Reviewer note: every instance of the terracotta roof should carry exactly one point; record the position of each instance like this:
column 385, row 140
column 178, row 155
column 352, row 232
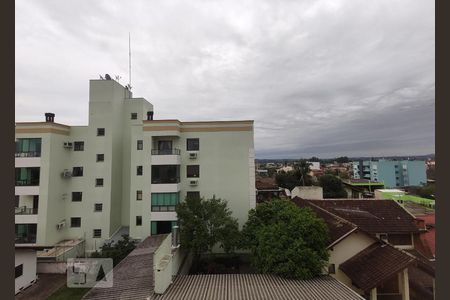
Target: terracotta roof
column 255, row 286
column 133, row 276
column 371, row 215
column 375, row 264
column 266, row 183
column 337, row 226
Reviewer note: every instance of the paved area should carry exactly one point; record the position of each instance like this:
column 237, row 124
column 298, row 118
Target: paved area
column 45, row 286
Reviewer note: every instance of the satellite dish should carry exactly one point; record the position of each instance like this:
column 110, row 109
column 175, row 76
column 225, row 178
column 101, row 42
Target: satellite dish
column 107, row 77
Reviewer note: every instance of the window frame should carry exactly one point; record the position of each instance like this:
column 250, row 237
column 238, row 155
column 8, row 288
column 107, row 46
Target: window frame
column 96, row 230
column 96, row 205
column 78, row 146
column 139, row 170
column 189, row 146
column 101, row 131
column 140, row 145
column 72, row 219
column 78, row 173
column 189, row 173
column 97, row 182
column 134, row 116
column 139, row 195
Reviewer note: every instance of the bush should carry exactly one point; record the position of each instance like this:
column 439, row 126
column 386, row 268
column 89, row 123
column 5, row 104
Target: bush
column 117, row 252
column 286, row 240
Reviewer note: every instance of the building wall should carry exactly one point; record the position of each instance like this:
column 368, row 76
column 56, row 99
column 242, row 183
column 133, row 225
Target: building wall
column 26, row 257
column 344, row 250
column 308, row 192
column 226, row 159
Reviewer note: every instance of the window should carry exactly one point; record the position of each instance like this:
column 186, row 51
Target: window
column 331, row 269
column 98, row 181
column 27, row 176
column 193, row 171
column 100, row 157
column 192, row 144
column 165, row 201
column 75, row 222
column 100, row 131
column 138, row 220
column 77, row 196
column 98, row 207
column 97, row 233
column 77, row 171
column 19, row 270
column 140, row 144
column 138, row 195
column 133, row 116
column 28, row 147
column 78, row 146
column 165, row 174
column 139, row 170
column 193, row 195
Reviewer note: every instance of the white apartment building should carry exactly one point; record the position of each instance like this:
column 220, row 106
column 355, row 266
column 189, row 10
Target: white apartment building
column 124, row 170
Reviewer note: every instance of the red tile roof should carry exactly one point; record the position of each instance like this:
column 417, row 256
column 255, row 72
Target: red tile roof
column 371, row 215
column 266, row 183
column 337, row 227
column 375, row 264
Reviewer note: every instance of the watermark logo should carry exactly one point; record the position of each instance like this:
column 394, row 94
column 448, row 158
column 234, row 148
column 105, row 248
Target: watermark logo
column 89, row 272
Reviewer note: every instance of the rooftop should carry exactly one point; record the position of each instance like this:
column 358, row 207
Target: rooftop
column 375, row 264
column 133, row 276
column 371, row 215
column 255, row 286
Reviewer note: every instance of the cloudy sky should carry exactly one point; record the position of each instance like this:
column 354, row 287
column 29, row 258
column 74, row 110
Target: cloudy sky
column 323, row 78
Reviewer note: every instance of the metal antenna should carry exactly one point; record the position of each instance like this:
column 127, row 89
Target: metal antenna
column 129, row 59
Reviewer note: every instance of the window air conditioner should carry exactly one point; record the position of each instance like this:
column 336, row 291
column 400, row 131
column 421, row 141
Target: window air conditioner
column 193, row 182
column 193, row 155
column 66, row 174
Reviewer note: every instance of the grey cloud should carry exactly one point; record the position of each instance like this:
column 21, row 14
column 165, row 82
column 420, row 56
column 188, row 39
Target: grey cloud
column 318, row 77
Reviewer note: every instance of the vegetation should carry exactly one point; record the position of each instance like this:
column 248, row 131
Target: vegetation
column 298, row 177
column 118, row 251
column 332, row 186
column 205, row 223
column 286, row 240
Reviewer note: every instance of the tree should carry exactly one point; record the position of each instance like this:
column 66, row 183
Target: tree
column 204, row 223
column 342, row 159
column 332, row 187
column 302, row 168
column 314, row 159
column 118, row 251
column 287, row 180
column 286, row 240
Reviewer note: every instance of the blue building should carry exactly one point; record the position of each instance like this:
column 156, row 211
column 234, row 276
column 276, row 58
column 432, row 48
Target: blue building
column 393, row 173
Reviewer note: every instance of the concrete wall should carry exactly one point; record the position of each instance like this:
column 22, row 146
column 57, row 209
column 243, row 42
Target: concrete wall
column 344, row 250
column 28, row 259
column 308, row 192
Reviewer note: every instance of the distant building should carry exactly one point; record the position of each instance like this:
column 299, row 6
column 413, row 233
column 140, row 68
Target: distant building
column 285, row 169
column 361, row 188
column 393, row 173
column 315, row 165
column 267, row 189
column 308, row 192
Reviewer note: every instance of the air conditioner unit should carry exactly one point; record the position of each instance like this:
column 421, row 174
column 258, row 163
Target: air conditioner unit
column 61, row 225
column 192, row 155
column 66, row 174
column 193, row 182
column 68, row 145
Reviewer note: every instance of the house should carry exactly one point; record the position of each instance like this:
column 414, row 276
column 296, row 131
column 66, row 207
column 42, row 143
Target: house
column 125, row 169
column 361, row 188
column 267, row 189
column 369, row 240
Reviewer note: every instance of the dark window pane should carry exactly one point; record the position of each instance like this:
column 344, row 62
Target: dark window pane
column 165, row 174
column 100, row 131
column 97, row 233
column 77, row 171
column 139, row 170
column 100, row 157
column 138, row 195
column 138, row 220
column 193, row 171
column 19, row 270
column 99, row 182
column 98, row 207
column 75, row 222
column 133, row 116
column 78, row 146
column 192, row 144
column 77, row 196
column 193, row 195
column 140, row 144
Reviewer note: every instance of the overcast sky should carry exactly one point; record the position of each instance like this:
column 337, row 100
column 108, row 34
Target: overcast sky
column 322, row 78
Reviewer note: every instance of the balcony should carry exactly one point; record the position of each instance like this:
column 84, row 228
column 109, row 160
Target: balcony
column 166, row 151
column 26, row 233
column 28, row 154
column 23, row 210
column 165, row 157
column 27, row 182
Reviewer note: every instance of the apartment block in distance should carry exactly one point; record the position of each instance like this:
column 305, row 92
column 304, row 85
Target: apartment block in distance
column 393, row 173
column 125, row 171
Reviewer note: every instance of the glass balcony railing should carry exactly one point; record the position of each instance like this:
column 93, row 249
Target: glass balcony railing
column 27, row 182
column 166, row 151
column 28, row 154
column 28, row 239
column 25, row 210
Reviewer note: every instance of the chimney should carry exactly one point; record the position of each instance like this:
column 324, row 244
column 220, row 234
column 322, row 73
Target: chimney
column 49, row 117
column 149, row 115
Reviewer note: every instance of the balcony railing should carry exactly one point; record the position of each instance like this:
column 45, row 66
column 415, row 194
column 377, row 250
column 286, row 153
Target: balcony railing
column 166, row 180
column 27, row 182
column 173, row 151
column 28, row 239
column 28, row 154
column 23, row 210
